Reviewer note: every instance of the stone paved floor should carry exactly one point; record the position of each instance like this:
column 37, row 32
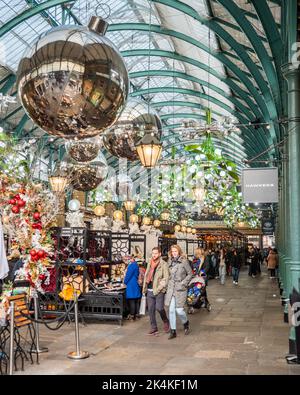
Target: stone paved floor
column 243, row 334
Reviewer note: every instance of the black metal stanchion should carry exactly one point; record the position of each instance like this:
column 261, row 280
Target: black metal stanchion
column 12, row 335
column 78, row 354
column 38, row 349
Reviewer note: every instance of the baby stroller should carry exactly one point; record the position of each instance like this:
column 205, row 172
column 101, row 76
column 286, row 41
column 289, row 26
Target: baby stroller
column 197, row 295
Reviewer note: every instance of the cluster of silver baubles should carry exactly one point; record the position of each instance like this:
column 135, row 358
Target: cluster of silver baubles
column 84, row 151
column 73, row 82
column 134, row 122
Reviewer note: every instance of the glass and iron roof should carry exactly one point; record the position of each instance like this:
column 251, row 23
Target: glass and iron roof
column 182, row 55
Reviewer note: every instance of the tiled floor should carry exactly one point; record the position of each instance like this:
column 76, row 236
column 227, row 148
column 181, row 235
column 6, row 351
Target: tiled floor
column 243, row 334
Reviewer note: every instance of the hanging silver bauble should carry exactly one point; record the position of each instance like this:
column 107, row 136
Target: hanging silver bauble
column 121, row 139
column 73, row 82
column 87, row 177
column 84, row 151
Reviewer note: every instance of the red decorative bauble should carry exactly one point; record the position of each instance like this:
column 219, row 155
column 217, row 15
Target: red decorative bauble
column 17, row 197
column 15, row 209
column 41, row 254
column 32, row 252
column 37, row 216
column 12, row 202
column 42, row 277
column 21, row 203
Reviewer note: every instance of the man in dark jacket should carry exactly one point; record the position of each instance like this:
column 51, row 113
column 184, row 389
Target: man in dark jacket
column 253, row 262
column 235, row 263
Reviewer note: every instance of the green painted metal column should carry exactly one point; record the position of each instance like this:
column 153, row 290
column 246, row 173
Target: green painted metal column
column 292, row 75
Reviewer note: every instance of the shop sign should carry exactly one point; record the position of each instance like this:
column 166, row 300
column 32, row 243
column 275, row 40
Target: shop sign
column 260, row 185
column 268, row 227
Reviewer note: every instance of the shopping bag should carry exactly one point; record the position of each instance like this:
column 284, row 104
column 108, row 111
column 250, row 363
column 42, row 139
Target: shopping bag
column 143, row 305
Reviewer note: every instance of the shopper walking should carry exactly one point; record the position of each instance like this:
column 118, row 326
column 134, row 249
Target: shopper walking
column 227, row 262
column 133, row 290
column 272, row 262
column 236, row 263
column 222, row 266
column 155, row 286
column 253, row 262
column 180, row 276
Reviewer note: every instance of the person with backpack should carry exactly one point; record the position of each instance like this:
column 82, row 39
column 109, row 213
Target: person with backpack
column 155, row 285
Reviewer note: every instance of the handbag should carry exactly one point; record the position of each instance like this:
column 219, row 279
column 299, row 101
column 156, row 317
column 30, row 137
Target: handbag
column 143, row 306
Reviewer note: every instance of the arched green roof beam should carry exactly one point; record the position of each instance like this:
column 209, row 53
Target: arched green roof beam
column 187, row 115
column 8, row 84
column 236, row 12
column 191, row 92
column 222, row 58
column 178, row 103
column 30, row 12
column 255, row 107
column 177, row 74
column 272, row 32
column 270, row 112
column 237, row 47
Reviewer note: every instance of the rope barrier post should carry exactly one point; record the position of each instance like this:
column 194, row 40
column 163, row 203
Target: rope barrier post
column 38, row 349
column 77, row 354
column 12, row 333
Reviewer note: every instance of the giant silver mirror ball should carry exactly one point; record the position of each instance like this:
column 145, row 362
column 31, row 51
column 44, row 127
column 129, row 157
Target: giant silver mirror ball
column 121, row 139
column 73, row 82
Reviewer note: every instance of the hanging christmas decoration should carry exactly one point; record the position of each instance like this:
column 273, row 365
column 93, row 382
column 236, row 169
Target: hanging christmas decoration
column 99, row 211
column 132, row 125
column 84, row 151
column 61, row 86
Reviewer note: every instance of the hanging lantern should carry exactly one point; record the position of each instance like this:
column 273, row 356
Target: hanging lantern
column 129, row 205
column 194, row 231
column 183, row 229
column 149, row 150
column 220, row 211
column 199, row 193
column 118, row 215
column 134, row 219
column 165, row 215
column 157, row 223
column 184, row 222
column 59, row 180
column 73, row 81
column 188, row 229
column 99, row 211
column 146, row 221
column 177, row 228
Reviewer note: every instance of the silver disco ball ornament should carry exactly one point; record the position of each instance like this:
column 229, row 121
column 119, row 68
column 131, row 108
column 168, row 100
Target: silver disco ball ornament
column 73, row 82
column 135, row 120
column 87, row 177
column 84, row 151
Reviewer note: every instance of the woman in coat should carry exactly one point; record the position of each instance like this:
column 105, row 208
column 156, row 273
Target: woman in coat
column 272, row 262
column 133, row 290
column 180, row 276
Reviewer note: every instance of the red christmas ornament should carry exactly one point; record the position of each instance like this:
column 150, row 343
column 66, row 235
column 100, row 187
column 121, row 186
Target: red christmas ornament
column 17, row 197
column 15, row 209
column 12, row 202
column 32, row 252
column 42, row 277
column 41, row 254
column 21, row 203
column 36, row 216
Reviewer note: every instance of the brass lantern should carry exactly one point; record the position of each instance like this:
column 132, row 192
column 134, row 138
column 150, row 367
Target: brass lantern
column 59, row 180
column 118, row 215
column 129, row 205
column 134, row 219
column 149, row 150
column 146, row 221
column 199, row 193
column 165, row 215
column 177, row 228
column 99, row 211
column 156, row 223
column 194, row 231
